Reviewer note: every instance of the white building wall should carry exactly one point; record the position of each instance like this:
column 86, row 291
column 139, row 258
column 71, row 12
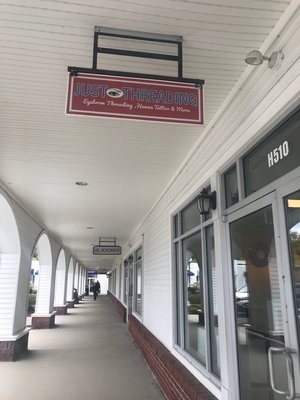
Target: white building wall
column 9, row 268
column 261, row 98
column 60, row 280
column 157, row 299
column 76, row 276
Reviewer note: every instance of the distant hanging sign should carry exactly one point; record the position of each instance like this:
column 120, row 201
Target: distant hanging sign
column 107, row 250
column 92, row 274
column 135, row 98
column 107, row 247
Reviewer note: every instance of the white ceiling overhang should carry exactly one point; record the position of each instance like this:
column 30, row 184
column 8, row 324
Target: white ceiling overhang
column 126, row 163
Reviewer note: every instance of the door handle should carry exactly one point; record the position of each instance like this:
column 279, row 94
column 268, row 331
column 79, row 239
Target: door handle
column 290, row 394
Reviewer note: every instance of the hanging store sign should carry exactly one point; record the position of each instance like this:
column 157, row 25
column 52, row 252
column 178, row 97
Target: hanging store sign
column 92, row 274
column 135, row 98
column 107, row 250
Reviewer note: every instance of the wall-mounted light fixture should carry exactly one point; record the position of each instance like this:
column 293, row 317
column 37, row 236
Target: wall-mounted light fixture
column 206, row 201
column 255, row 57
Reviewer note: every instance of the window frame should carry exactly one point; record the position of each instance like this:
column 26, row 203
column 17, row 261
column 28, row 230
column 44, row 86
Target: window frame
column 125, row 282
column 137, row 263
column 180, row 289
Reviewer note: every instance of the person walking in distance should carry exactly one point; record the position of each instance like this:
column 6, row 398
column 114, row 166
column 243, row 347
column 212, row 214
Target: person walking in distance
column 96, row 289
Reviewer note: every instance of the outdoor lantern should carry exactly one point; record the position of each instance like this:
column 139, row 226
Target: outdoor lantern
column 206, row 201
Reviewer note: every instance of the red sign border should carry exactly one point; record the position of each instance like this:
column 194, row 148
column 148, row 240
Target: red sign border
column 199, row 121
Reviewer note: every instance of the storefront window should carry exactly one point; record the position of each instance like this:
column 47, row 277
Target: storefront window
column 231, row 187
column 190, row 217
column 138, row 281
column 125, row 282
column 195, row 278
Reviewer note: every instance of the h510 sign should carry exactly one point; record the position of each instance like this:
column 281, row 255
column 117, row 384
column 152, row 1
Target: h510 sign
column 135, row 98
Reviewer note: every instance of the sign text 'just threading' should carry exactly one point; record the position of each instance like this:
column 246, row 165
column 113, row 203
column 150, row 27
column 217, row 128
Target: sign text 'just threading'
column 134, row 98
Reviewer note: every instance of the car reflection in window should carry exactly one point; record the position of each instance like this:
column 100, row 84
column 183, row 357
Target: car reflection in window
column 242, row 302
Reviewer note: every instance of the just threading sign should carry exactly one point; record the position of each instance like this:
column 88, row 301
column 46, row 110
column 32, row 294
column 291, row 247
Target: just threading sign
column 107, row 250
column 135, row 98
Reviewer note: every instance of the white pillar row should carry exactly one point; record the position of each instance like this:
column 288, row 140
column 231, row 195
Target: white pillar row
column 82, row 284
column 80, row 281
column 84, row 280
column 60, row 305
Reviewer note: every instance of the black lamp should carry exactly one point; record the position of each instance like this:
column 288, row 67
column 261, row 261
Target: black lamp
column 206, row 201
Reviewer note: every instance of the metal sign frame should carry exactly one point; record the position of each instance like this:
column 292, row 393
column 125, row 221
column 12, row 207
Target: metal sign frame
column 143, row 36
column 107, row 247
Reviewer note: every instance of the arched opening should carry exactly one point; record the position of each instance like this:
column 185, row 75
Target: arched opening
column 33, row 285
column 70, row 283
column 60, row 284
column 44, row 316
column 76, row 283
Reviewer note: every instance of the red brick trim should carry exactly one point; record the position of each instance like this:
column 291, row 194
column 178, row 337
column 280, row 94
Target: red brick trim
column 121, row 309
column 43, row 322
column 176, row 381
column 10, row 350
column 61, row 310
column 70, row 304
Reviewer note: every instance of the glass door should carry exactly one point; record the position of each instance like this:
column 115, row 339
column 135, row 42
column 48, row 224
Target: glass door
column 292, row 212
column 265, row 357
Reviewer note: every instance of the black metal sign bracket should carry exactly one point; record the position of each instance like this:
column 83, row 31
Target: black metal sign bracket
column 142, row 36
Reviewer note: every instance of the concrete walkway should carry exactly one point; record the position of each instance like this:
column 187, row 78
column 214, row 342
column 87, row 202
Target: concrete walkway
column 89, row 355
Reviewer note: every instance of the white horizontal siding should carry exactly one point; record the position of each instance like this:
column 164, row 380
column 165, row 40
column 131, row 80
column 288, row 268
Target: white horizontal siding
column 9, row 267
column 240, row 123
column 43, row 306
column 70, row 280
column 59, row 287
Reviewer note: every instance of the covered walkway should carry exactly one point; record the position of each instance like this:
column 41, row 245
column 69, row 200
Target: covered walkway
column 88, row 355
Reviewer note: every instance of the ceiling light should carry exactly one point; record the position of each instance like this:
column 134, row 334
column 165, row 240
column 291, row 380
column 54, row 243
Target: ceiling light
column 255, row 57
column 81, row 183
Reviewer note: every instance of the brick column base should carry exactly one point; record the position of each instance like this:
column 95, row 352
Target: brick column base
column 43, row 321
column 11, row 349
column 70, row 304
column 61, row 310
